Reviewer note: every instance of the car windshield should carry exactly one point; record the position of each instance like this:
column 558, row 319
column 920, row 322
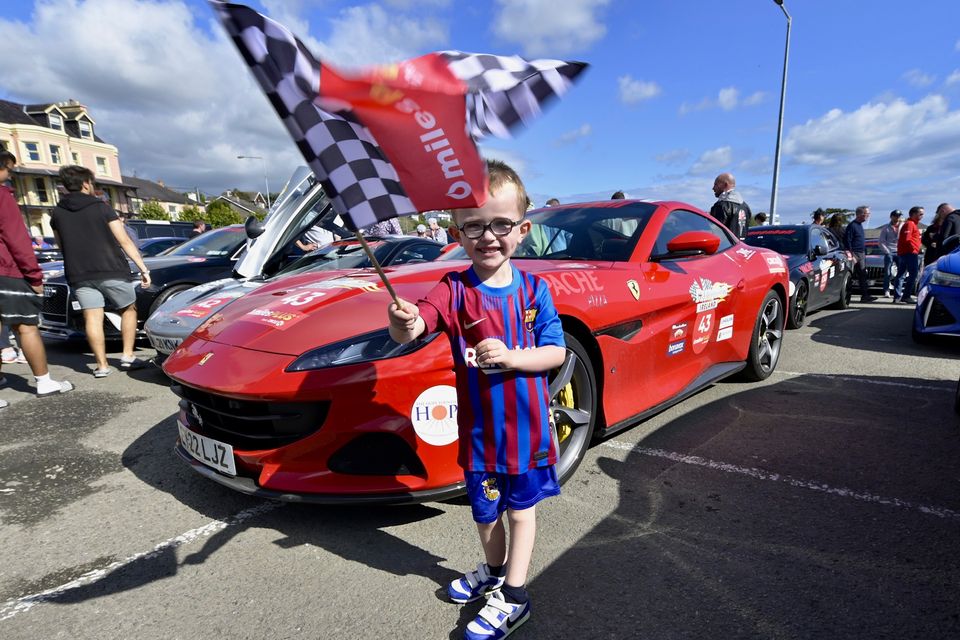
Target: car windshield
column 581, row 232
column 219, row 242
column 336, row 256
column 788, row 241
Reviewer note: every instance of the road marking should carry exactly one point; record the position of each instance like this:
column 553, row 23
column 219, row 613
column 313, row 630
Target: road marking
column 940, row 512
column 944, row 385
column 24, row 603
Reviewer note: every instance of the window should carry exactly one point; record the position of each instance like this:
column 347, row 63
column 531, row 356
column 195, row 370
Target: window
column 55, row 157
column 3, row 145
column 56, row 122
column 101, row 166
column 171, row 208
column 680, row 221
column 819, row 239
column 86, row 131
column 418, row 253
column 75, row 157
column 33, row 151
column 41, row 186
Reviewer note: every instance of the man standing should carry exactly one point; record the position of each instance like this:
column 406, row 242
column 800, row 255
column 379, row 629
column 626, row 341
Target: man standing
column 436, row 231
column 950, row 226
column 908, row 257
column 199, row 226
column 730, row 208
column 390, row 226
column 855, row 240
column 760, row 219
column 21, row 286
column 889, row 235
column 93, row 243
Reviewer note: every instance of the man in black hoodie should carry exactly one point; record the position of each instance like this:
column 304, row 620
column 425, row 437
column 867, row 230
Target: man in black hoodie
column 93, row 241
column 730, row 208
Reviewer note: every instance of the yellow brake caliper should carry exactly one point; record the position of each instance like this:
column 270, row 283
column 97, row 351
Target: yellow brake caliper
column 564, row 398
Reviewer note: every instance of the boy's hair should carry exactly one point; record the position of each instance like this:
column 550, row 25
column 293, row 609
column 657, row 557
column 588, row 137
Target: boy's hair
column 73, row 176
column 500, row 174
column 6, row 158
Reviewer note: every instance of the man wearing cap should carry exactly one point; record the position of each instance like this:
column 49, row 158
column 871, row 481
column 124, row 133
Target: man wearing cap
column 889, row 235
column 421, row 231
column 436, row 231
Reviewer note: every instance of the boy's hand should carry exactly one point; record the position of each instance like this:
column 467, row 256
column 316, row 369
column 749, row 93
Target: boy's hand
column 493, row 352
column 403, row 317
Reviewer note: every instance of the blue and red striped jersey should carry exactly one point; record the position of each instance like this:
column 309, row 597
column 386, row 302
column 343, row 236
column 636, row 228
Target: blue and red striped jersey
column 503, row 415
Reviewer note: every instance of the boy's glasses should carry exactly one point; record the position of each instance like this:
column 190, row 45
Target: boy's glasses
column 499, row 227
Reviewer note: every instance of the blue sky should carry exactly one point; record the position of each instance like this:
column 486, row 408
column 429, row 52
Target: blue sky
column 677, row 91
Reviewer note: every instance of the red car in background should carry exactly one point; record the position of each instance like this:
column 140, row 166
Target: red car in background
column 296, row 391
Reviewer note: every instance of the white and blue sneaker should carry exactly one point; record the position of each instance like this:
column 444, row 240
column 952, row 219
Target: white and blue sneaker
column 497, row 619
column 474, row 585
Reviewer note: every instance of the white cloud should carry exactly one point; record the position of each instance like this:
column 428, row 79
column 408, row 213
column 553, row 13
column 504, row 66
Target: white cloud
column 713, row 160
column 634, row 91
column 674, row 156
column 918, row 78
column 727, row 99
column 550, row 28
column 953, row 78
column 178, row 102
column 582, row 131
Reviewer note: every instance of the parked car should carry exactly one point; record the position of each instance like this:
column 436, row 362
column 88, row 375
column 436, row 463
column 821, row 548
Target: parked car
column 150, row 247
column 210, row 256
column 820, row 270
column 295, row 391
column 181, row 314
column 160, row 228
column 50, row 253
column 938, row 296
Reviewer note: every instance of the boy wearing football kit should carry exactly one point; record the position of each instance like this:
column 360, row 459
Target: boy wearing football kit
column 505, row 335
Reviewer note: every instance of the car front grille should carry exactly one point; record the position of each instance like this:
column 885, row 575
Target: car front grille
column 56, row 301
column 939, row 315
column 250, row 425
column 875, row 273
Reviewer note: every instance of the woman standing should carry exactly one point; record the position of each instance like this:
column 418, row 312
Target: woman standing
column 929, row 237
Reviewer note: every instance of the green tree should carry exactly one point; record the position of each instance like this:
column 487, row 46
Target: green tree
column 191, row 213
column 152, row 210
column 221, row 214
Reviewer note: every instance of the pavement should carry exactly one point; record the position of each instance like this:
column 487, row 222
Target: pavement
column 821, row 503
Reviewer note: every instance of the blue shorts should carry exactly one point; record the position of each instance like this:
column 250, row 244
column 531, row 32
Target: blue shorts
column 491, row 493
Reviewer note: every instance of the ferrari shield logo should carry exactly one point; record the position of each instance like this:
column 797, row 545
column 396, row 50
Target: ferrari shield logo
column 528, row 318
column 634, row 289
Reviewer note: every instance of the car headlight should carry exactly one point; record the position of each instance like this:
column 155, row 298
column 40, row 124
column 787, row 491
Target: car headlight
column 945, row 279
column 377, row 345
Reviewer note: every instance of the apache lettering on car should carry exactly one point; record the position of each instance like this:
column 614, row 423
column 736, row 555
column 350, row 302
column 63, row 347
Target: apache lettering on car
column 573, row 282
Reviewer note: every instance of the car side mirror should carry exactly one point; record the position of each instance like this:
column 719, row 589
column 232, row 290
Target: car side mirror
column 818, row 250
column 253, row 227
column 693, row 243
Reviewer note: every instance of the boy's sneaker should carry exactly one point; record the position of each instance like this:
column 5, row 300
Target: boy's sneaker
column 497, row 619
column 474, row 585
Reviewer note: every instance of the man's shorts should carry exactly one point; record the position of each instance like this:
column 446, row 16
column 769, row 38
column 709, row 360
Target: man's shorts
column 19, row 303
column 491, row 494
column 93, row 294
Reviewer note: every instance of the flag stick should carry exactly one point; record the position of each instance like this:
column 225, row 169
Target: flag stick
column 376, row 265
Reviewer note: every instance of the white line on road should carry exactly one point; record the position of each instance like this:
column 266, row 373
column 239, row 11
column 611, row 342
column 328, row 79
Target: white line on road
column 944, row 385
column 940, row 512
column 25, row 603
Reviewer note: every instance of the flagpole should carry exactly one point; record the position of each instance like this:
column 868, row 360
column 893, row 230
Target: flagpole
column 376, row 265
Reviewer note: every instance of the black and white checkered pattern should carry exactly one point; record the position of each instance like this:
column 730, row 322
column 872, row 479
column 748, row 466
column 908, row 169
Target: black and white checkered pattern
column 504, row 91
column 360, row 181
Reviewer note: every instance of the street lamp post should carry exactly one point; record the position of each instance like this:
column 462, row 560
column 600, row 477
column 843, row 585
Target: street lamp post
column 265, row 182
column 783, row 96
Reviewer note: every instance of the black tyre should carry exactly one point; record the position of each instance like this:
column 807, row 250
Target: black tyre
column 956, row 398
column 921, row 338
column 573, row 405
column 167, row 294
column 798, row 306
column 766, row 340
column 846, row 293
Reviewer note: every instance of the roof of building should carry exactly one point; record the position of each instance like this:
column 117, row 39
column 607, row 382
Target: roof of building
column 16, row 113
column 148, row 190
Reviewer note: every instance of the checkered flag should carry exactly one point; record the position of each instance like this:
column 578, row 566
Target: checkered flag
column 396, row 139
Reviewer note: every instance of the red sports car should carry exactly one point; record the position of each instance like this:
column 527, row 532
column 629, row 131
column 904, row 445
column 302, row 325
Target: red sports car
column 296, row 391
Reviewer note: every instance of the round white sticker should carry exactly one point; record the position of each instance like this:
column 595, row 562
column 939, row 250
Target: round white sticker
column 434, row 415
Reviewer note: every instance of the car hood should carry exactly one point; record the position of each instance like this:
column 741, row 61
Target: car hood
column 949, row 263
column 187, row 309
column 304, row 311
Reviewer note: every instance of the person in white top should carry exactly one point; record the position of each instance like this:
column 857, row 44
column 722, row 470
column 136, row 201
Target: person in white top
column 888, row 246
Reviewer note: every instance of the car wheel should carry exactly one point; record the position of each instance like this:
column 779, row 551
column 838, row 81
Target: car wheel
column 167, row 294
column 766, row 340
column 573, row 407
column 798, row 306
column 846, row 294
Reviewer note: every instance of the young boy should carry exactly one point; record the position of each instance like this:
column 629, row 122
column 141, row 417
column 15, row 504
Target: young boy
column 505, row 334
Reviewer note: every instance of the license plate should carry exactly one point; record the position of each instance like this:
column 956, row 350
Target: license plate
column 165, row 346
column 213, row 453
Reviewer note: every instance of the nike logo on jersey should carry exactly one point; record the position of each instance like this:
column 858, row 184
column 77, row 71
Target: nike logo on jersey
column 471, row 325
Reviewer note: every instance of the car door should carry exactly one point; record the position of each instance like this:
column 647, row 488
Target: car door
column 694, row 300
column 825, row 284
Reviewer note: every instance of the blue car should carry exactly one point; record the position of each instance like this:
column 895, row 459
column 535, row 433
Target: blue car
column 938, row 296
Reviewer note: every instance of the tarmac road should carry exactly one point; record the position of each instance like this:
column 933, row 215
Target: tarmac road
column 822, row 503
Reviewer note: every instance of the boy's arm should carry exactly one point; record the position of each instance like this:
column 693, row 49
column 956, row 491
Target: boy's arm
column 406, row 325
column 492, row 351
